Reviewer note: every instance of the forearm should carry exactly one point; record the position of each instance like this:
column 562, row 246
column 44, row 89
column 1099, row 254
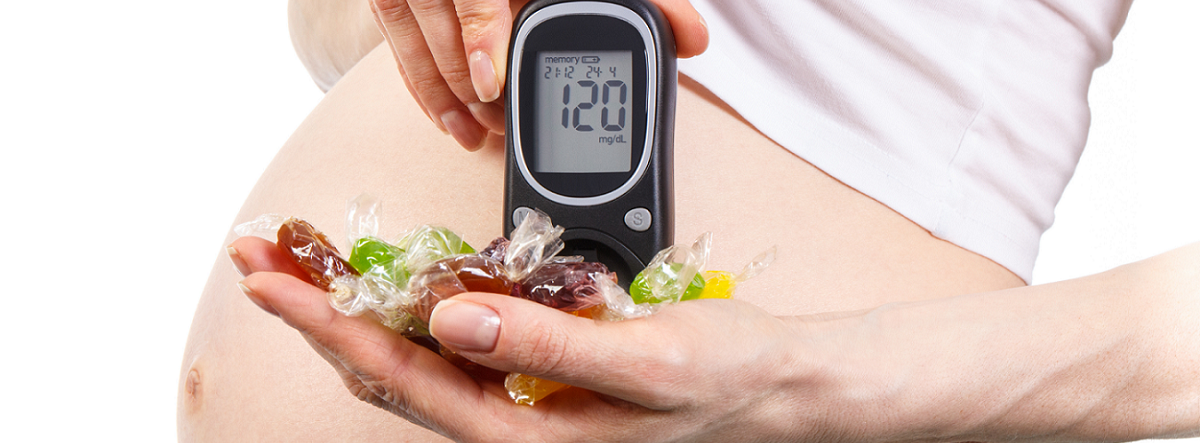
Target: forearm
column 1114, row 356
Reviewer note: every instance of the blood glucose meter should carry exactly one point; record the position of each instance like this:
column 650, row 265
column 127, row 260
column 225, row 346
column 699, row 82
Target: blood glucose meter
column 590, row 127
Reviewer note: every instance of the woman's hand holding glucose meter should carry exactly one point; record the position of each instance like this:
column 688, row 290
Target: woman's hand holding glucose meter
column 453, row 56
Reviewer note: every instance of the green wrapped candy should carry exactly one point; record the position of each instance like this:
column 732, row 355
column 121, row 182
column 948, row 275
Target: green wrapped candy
column 428, row 244
column 640, row 290
column 370, row 252
column 372, row 255
column 397, row 262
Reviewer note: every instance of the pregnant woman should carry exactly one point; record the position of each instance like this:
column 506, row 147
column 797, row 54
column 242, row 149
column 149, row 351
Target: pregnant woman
column 905, row 157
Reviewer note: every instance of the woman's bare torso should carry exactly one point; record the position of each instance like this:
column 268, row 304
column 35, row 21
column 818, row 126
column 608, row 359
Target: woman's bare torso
column 246, row 376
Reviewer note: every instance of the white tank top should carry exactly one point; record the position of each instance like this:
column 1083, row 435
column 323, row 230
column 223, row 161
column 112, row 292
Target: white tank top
column 967, row 117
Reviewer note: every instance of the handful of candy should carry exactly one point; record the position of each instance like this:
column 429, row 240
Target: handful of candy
column 400, row 282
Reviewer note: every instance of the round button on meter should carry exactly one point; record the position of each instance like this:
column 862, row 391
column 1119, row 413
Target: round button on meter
column 590, row 126
column 638, row 219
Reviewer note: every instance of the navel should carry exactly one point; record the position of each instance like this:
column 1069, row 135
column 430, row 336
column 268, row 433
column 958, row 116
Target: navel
column 193, row 390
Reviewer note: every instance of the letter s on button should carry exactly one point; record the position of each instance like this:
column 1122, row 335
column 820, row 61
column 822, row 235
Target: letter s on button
column 638, row 219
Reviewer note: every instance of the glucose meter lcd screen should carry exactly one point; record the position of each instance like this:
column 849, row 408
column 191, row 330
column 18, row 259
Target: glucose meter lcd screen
column 584, row 111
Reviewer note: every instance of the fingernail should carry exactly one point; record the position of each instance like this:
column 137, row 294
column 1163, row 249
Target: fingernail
column 488, row 114
column 465, row 326
column 239, row 264
column 257, row 300
column 464, row 129
column 483, row 75
column 437, row 123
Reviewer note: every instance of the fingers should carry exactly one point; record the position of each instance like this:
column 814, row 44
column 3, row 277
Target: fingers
column 628, row 360
column 401, row 376
column 452, row 55
column 691, row 32
column 486, row 28
column 431, row 47
column 408, row 43
column 438, row 23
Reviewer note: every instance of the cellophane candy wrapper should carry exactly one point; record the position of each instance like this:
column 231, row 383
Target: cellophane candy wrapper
column 399, row 282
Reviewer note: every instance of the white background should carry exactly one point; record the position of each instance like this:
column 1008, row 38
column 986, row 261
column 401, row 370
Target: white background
column 131, row 131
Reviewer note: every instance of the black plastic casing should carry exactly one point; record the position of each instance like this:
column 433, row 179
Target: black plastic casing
column 599, row 232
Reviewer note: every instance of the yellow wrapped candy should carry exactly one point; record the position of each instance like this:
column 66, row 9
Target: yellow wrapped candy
column 718, row 284
column 527, row 389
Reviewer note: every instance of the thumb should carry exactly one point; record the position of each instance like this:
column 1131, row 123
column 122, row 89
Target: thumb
column 691, row 32
column 486, row 25
column 516, row 335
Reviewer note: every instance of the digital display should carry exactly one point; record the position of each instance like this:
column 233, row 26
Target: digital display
column 584, row 111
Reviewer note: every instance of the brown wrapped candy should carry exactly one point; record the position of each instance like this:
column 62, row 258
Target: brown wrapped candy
column 313, row 251
column 564, row 286
column 455, row 275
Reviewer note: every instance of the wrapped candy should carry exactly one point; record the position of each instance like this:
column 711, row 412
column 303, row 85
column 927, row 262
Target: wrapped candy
column 566, row 286
column 313, row 252
column 452, row 276
column 401, row 282
column 305, row 245
column 720, row 284
column 674, row 274
column 527, row 389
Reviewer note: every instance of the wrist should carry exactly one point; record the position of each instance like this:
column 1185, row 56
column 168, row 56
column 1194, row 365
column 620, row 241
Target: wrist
column 899, row 372
column 840, row 384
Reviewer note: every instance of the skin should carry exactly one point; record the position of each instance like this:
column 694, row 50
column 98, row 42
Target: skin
column 1094, row 359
